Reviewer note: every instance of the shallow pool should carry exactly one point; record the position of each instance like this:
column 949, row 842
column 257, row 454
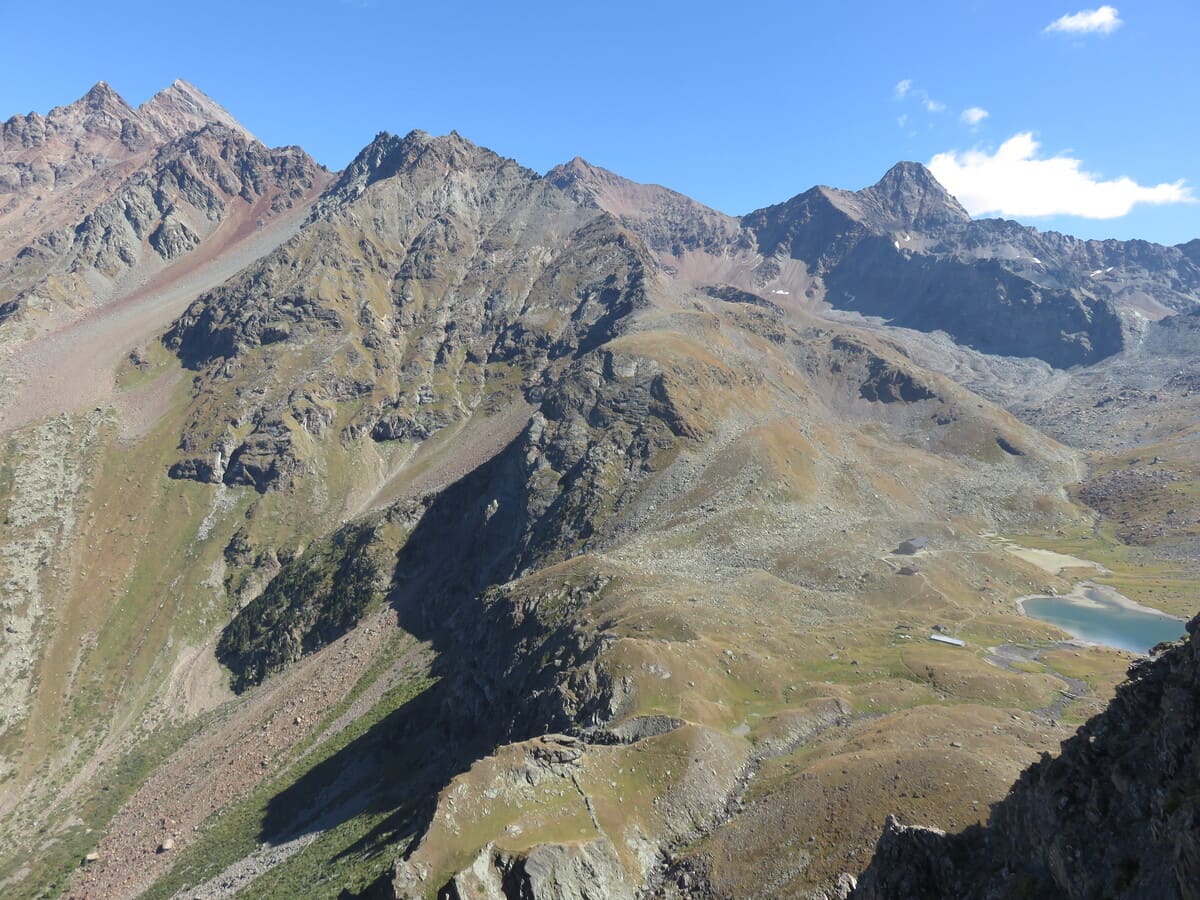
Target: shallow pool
column 1103, row 616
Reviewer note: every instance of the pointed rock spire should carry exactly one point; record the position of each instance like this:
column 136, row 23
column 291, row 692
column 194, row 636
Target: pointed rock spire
column 909, row 196
column 101, row 94
column 183, row 108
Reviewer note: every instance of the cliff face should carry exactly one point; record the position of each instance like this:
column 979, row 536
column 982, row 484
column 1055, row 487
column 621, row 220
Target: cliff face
column 1117, row 814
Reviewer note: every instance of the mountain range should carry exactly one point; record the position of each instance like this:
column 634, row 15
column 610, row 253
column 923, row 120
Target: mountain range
column 440, row 528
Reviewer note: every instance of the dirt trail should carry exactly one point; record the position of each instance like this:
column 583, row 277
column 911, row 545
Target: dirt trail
column 72, row 367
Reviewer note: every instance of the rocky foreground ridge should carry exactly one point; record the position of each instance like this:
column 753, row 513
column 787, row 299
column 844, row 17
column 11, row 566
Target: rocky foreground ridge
column 1116, row 814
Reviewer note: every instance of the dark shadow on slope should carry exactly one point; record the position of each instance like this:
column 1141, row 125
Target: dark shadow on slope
column 979, row 304
column 618, row 305
column 474, row 535
column 395, row 769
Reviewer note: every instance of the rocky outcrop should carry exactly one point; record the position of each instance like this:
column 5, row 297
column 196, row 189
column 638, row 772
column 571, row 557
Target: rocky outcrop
column 578, row 871
column 1116, row 814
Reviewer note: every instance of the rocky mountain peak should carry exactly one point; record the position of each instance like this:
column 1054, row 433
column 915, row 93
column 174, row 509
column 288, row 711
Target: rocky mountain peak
column 101, row 96
column 908, row 195
column 450, row 149
column 182, row 108
column 103, row 115
column 908, row 173
column 577, row 164
column 580, row 169
column 101, row 112
column 666, row 220
column 582, row 181
column 388, row 156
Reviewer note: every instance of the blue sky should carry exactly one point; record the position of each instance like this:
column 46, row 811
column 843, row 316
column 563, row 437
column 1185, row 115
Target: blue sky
column 737, row 104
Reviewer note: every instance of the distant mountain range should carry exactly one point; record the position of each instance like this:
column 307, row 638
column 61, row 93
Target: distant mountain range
column 906, row 251
column 89, row 181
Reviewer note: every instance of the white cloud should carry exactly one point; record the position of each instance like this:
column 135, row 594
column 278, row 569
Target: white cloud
column 973, row 115
column 902, row 88
column 1104, row 20
column 931, row 105
column 1014, row 181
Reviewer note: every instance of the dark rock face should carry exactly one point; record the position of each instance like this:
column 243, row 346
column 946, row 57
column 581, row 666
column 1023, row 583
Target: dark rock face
column 311, row 601
column 879, row 380
column 980, row 304
column 890, row 385
column 1117, row 814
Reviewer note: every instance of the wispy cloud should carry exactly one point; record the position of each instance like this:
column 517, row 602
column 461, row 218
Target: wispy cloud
column 973, row 115
column 1015, row 181
column 1104, row 20
column 905, row 88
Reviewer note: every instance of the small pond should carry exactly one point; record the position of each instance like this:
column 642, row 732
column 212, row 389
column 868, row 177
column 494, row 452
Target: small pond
column 1103, row 616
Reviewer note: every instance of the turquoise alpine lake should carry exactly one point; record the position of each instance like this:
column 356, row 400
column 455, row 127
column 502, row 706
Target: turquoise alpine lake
column 1103, row 616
